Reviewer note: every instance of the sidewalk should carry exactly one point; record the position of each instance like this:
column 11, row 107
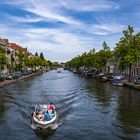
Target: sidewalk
column 7, row 82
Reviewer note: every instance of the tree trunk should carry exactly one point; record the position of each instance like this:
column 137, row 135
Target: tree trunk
column 130, row 72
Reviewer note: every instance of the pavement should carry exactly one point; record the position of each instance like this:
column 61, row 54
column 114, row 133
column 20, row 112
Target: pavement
column 7, row 82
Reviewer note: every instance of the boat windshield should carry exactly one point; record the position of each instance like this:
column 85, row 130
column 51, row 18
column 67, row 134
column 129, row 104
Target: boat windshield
column 40, row 108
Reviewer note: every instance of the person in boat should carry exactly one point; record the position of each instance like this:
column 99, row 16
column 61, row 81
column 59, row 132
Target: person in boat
column 51, row 107
column 47, row 116
column 41, row 116
column 51, row 110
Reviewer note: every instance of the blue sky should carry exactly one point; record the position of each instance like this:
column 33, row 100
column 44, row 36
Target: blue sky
column 62, row 29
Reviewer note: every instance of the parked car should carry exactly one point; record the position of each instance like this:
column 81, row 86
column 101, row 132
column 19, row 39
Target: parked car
column 24, row 73
column 10, row 76
column 137, row 80
column 29, row 71
column 18, row 74
column 1, row 78
column 114, row 75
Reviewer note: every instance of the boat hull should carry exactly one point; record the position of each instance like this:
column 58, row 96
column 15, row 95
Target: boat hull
column 117, row 82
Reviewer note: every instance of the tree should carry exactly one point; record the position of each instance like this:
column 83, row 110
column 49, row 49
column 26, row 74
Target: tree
column 2, row 57
column 92, row 58
column 21, row 57
column 36, row 54
column 127, row 51
column 42, row 56
column 101, row 57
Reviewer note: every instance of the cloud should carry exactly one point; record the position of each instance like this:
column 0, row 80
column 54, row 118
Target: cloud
column 55, row 11
column 106, row 29
column 64, row 44
column 46, row 10
column 27, row 19
column 73, row 37
column 89, row 5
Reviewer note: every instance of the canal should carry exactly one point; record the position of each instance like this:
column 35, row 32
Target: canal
column 87, row 109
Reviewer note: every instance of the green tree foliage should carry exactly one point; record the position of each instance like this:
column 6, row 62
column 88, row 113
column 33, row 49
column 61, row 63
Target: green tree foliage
column 36, row 54
column 21, row 56
column 29, row 62
column 34, row 62
column 50, row 63
column 103, row 56
column 92, row 58
column 42, row 56
column 2, row 57
column 127, row 51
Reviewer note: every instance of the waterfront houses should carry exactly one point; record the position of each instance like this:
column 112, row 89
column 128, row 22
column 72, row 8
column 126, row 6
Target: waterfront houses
column 14, row 57
column 111, row 66
column 135, row 70
column 15, row 50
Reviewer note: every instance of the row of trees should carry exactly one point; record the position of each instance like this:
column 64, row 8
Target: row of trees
column 126, row 53
column 31, row 62
column 92, row 58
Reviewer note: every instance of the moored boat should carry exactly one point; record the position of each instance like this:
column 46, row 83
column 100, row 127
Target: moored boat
column 118, row 81
column 104, row 78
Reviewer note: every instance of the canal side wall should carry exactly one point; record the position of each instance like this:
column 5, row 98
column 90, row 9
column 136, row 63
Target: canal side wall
column 132, row 85
column 7, row 82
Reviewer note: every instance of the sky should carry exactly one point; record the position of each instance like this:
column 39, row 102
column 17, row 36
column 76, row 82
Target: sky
column 63, row 29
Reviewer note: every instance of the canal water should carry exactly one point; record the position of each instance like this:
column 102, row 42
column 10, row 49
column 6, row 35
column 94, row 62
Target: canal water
column 87, row 109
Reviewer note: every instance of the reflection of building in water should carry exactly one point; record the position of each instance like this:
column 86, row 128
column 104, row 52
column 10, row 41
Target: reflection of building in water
column 129, row 111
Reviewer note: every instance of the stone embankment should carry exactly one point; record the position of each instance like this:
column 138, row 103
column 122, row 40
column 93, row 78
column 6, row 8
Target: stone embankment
column 7, row 82
column 132, row 85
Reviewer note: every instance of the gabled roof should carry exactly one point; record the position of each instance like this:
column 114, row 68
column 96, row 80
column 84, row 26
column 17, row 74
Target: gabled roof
column 4, row 41
column 17, row 47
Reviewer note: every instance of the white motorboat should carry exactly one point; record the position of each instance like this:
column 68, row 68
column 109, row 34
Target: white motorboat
column 43, row 123
column 118, row 81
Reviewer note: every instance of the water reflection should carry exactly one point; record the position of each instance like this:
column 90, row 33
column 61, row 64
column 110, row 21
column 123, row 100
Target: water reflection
column 2, row 108
column 129, row 112
column 86, row 108
column 121, row 104
column 100, row 91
